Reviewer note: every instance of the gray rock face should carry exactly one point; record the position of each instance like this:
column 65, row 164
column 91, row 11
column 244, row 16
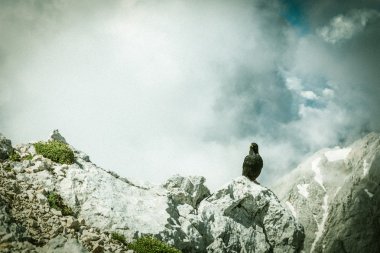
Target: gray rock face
column 353, row 223
column 241, row 217
column 61, row 244
column 13, row 236
column 246, row 217
column 5, row 147
column 29, row 224
column 335, row 195
column 57, row 136
column 187, row 190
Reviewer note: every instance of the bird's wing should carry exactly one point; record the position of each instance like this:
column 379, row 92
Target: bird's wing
column 253, row 161
column 248, row 160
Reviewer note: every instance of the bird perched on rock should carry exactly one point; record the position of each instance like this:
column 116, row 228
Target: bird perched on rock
column 253, row 163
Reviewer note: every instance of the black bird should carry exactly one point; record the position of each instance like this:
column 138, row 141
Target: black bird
column 253, row 163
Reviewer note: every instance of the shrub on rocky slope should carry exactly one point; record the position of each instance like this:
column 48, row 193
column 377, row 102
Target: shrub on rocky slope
column 56, row 151
column 148, row 244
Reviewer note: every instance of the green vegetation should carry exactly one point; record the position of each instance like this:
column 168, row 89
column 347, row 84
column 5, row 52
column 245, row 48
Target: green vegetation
column 28, row 157
column 119, row 237
column 148, row 244
column 56, row 151
column 56, row 202
column 7, row 167
column 14, row 156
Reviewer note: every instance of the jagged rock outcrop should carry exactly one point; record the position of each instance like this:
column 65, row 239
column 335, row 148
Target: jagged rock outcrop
column 5, row 147
column 246, row 217
column 240, row 217
column 335, row 194
column 57, row 136
column 187, row 190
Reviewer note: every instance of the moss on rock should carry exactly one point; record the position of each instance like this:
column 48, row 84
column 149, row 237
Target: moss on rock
column 56, row 202
column 149, row 244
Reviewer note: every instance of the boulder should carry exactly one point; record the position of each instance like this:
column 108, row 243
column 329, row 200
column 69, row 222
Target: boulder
column 246, row 217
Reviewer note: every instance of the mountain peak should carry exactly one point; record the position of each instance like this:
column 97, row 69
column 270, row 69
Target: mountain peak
column 335, row 195
column 57, row 136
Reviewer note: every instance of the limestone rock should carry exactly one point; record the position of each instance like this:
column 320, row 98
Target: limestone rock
column 12, row 235
column 182, row 212
column 5, row 147
column 61, row 244
column 98, row 249
column 89, row 236
column 56, row 212
column 57, row 136
column 72, row 223
column 246, row 217
column 189, row 190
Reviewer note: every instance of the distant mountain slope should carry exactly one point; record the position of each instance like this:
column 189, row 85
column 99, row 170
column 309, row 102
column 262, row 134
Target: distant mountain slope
column 335, row 194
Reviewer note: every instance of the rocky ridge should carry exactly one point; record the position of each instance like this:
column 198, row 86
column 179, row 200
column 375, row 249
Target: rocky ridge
column 240, row 217
column 29, row 224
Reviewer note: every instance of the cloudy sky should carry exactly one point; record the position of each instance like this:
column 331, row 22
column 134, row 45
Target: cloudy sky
column 154, row 88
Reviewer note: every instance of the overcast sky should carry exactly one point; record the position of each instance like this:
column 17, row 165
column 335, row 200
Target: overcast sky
column 154, row 88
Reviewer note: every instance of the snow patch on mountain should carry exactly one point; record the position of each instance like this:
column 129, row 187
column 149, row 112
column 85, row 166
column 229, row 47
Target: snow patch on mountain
column 302, row 189
column 337, row 190
column 317, row 170
column 365, row 168
column 291, row 208
column 369, row 193
column 321, row 225
column 337, row 154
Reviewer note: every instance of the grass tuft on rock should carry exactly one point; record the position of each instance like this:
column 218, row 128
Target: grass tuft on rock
column 149, row 244
column 119, row 237
column 7, row 167
column 14, row 156
column 56, row 202
column 27, row 157
column 56, row 151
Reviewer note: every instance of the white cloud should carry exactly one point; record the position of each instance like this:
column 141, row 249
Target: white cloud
column 343, row 27
column 293, row 83
column 329, row 93
column 308, row 94
column 154, row 88
column 136, row 86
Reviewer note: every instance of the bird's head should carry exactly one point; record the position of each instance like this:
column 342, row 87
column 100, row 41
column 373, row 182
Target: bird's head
column 254, row 148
